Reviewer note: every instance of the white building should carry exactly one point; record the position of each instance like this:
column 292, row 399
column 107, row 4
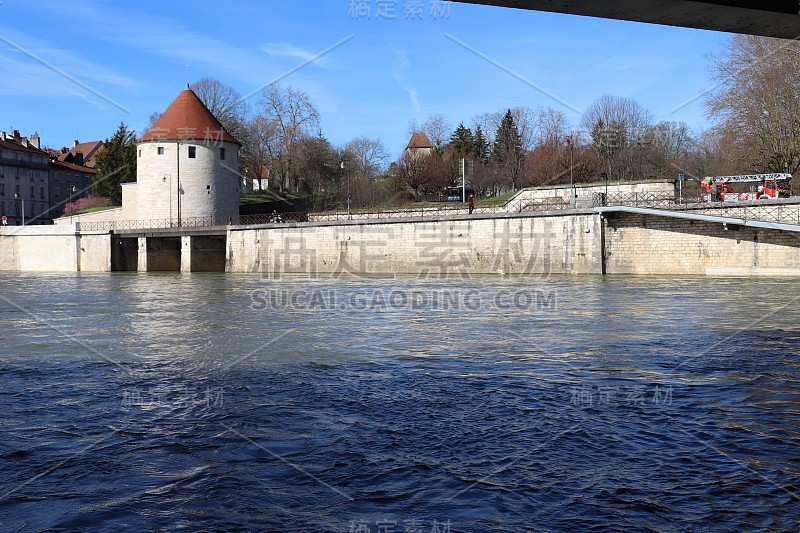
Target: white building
column 186, row 167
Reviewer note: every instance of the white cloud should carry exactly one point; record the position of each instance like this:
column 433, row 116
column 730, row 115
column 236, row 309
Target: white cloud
column 32, row 66
column 400, row 65
column 295, row 52
column 170, row 38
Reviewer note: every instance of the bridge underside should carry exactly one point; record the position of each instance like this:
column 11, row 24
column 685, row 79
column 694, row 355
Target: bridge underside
column 770, row 18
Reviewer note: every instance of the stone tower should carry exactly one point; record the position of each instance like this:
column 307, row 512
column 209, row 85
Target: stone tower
column 419, row 145
column 187, row 166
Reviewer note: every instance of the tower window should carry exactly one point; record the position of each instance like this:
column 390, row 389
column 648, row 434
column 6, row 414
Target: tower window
column 192, row 152
column 160, row 150
column 222, row 154
column 140, row 152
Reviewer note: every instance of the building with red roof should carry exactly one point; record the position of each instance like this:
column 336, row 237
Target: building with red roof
column 187, row 167
column 419, row 145
column 83, row 154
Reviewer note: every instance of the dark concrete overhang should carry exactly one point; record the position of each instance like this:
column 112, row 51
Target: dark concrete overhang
column 770, row 18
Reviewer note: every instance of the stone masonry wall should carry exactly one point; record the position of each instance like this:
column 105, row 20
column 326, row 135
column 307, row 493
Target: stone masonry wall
column 209, row 186
column 466, row 245
column 637, row 244
column 94, row 252
column 505, row 245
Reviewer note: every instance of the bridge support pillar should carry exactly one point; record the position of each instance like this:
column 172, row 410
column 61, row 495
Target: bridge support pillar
column 186, row 253
column 142, row 255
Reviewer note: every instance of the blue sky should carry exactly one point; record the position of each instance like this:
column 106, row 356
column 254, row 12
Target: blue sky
column 79, row 68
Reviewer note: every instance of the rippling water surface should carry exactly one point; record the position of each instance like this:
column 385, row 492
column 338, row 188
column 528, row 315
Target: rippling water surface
column 221, row 402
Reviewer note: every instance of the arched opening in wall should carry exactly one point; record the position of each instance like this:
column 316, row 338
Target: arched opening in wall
column 124, row 254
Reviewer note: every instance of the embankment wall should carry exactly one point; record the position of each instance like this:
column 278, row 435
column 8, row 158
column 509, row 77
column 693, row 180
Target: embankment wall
column 638, row 244
column 53, row 249
column 460, row 245
column 581, row 242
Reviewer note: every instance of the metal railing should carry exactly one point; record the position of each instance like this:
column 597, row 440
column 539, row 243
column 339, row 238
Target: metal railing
column 764, row 210
column 635, row 199
column 547, row 204
column 193, row 222
column 782, row 211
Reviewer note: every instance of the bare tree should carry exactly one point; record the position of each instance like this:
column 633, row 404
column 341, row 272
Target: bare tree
column 438, row 130
column 526, row 120
column 757, row 106
column 550, row 127
column 625, row 112
column 225, row 103
column 488, row 179
column 412, row 171
column 488, row 122
column 368, row 156
column 318, row 166
column 294, row 117
column 261, row 144
column 413, row 127
column 615, row 124
column 151, row 121
column 665, row 149
column 443, row 170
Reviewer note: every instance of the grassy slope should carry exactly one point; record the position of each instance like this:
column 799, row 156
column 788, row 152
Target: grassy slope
column 94, row 209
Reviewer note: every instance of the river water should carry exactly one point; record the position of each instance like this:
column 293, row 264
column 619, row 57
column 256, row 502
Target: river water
column 224, row 402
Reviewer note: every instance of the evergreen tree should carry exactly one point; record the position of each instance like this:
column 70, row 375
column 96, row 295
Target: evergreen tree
column 116, row 165
column 480, row 146
column 462, row 140
column 508, row 151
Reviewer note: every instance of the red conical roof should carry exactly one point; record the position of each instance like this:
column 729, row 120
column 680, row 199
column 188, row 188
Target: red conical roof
column 419, row 140
column 187, row 118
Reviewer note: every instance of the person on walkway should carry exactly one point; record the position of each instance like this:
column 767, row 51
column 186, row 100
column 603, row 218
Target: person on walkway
column 471, row 203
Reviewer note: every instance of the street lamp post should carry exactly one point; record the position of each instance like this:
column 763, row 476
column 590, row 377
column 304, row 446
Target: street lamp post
column 21, row 199
column 571, row 166
column 349, row 197
column 178, row 162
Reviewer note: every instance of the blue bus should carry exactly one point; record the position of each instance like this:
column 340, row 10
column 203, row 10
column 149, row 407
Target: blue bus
column 455, row 194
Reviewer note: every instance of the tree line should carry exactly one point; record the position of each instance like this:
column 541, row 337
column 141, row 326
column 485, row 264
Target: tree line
column 753, row 112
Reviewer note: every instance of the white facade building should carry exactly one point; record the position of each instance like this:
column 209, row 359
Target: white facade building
column 187, row 167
